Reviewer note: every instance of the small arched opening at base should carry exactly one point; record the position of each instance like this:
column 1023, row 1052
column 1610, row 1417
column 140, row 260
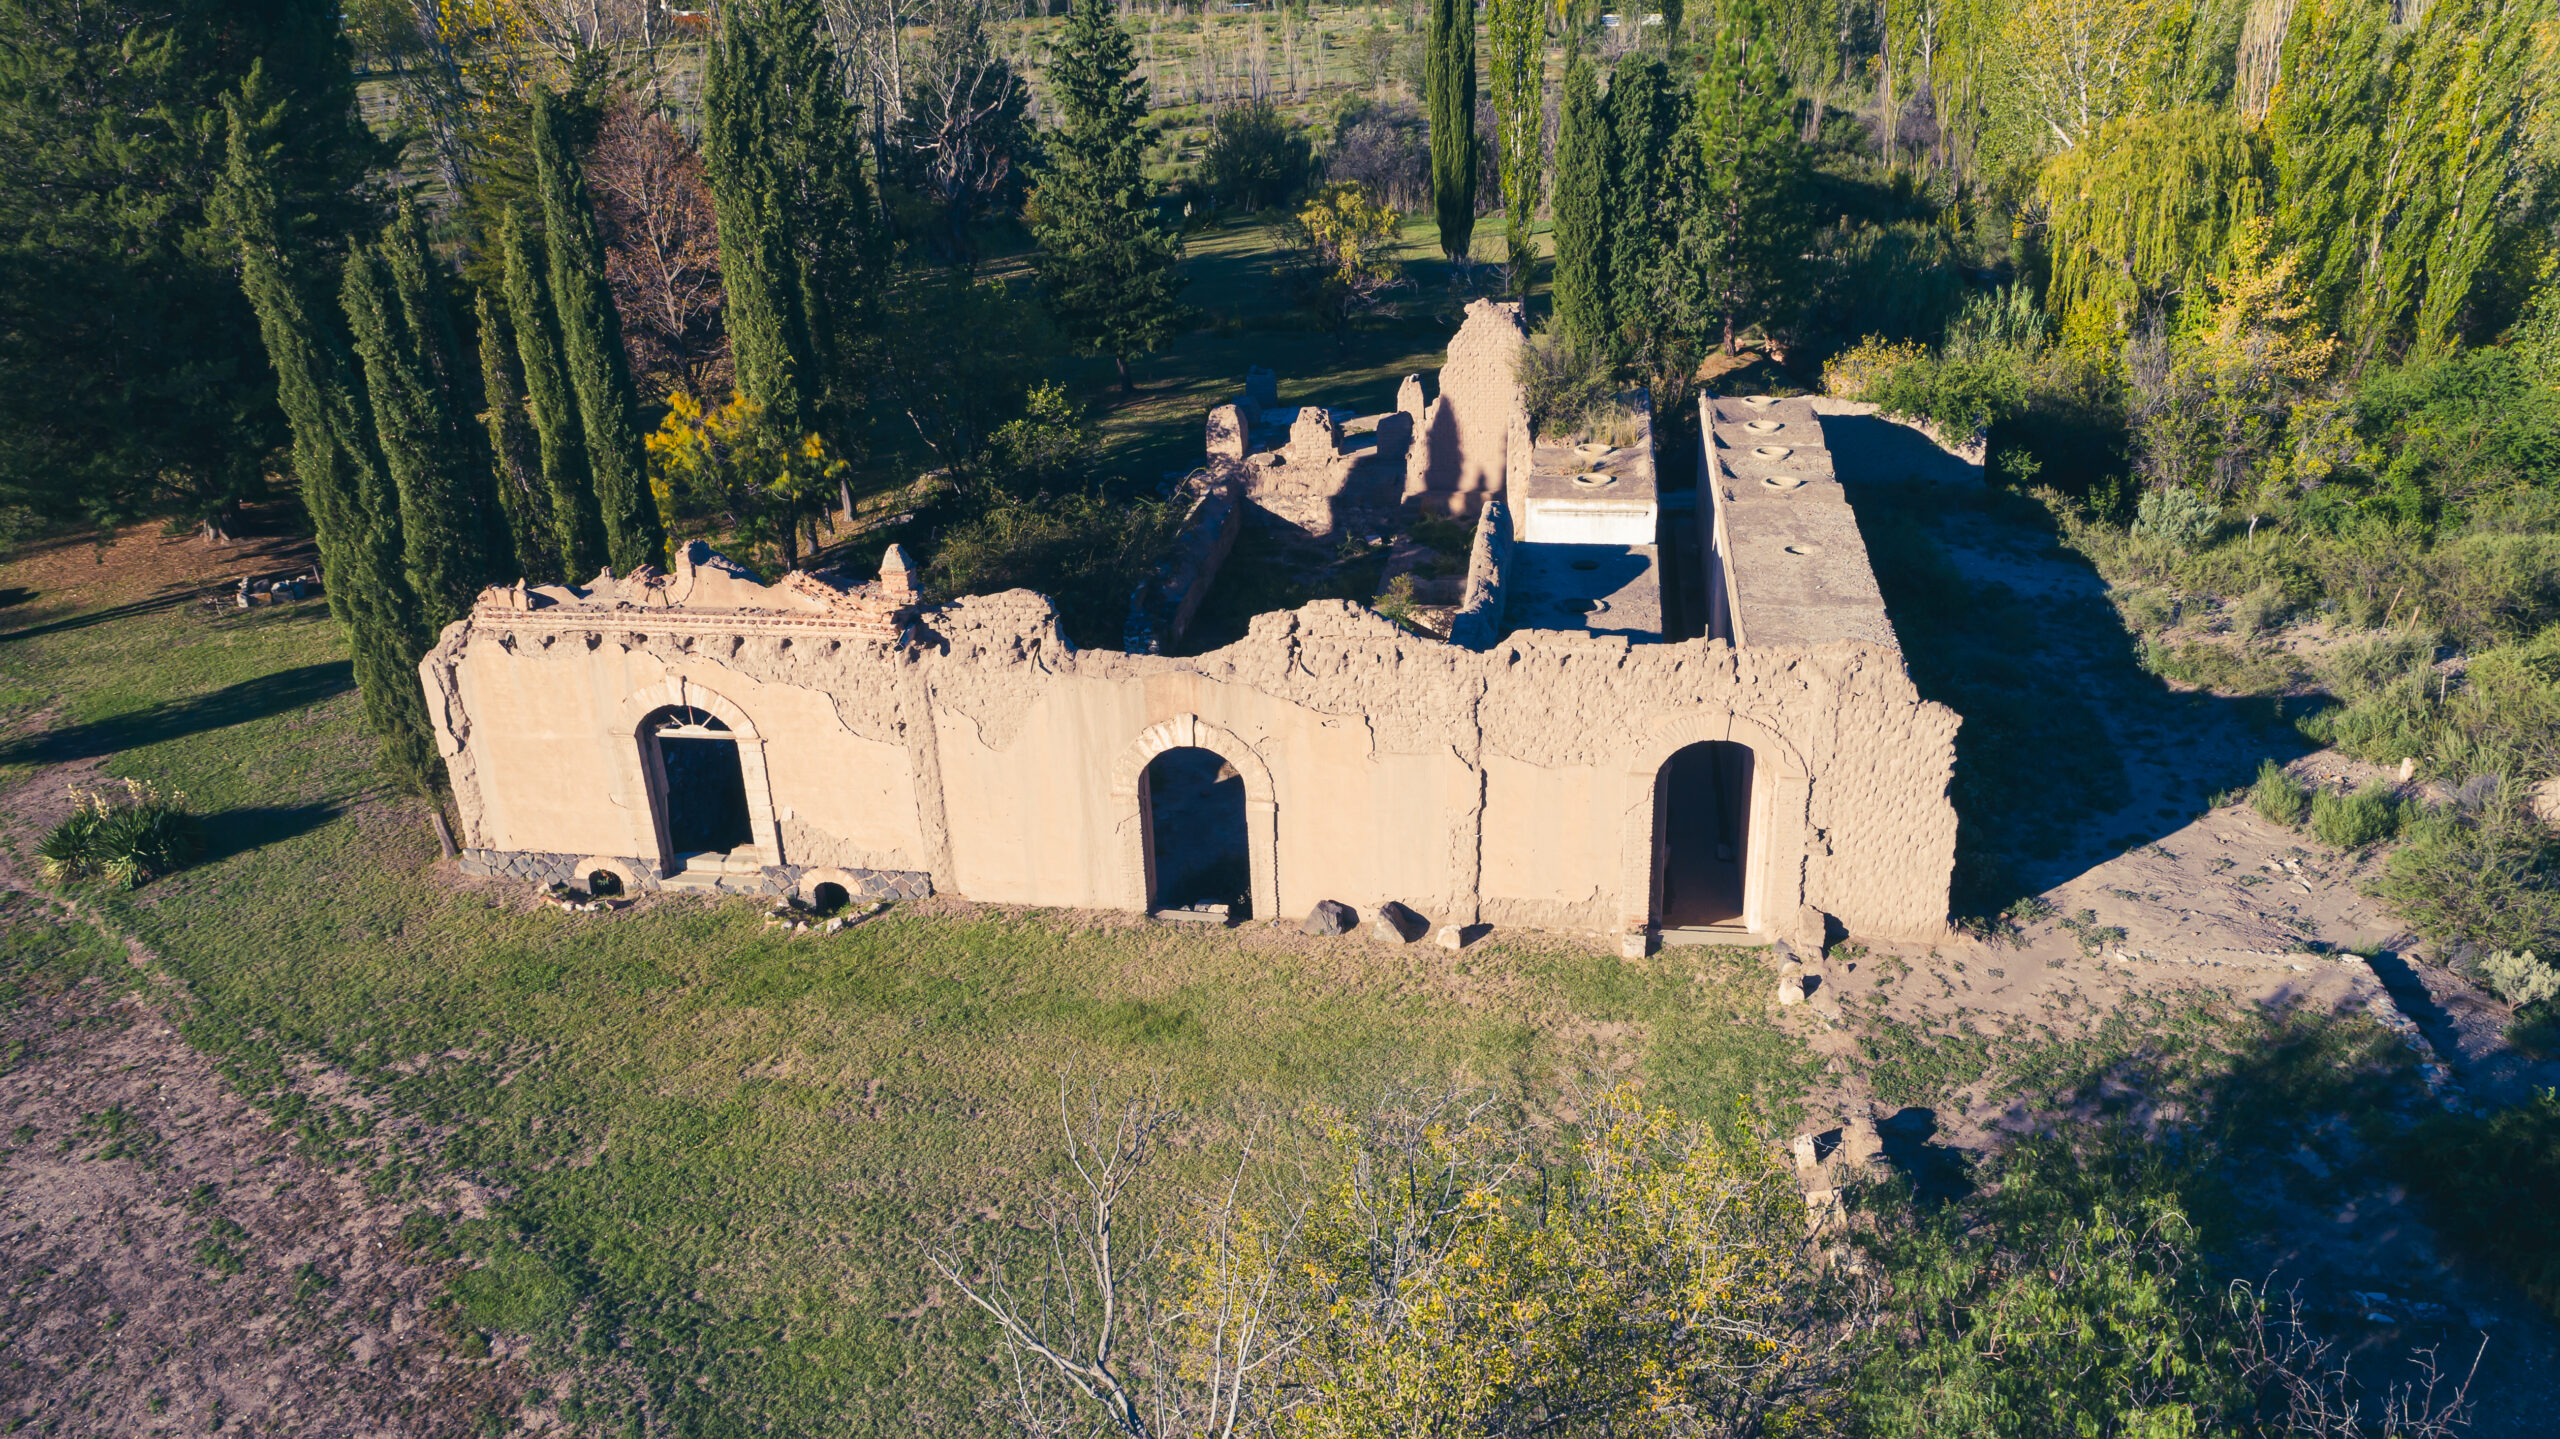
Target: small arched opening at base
column 603, row 882
column 702, row 786
column 1702, row 824
column 827, row 897
column 1201, row 852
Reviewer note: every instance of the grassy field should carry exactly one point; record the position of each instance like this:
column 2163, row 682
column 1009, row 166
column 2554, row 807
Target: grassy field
column 708, row 1156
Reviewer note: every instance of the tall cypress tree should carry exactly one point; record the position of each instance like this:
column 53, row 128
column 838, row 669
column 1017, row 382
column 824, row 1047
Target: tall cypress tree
column 1581, row 283
column 513, row 452
column 577, row 525
column 353, row 507
column 1107, row 257
column 782, row 149
column 1643, row 113
column 395, row 303
column 591, row 341
column 1449, row 93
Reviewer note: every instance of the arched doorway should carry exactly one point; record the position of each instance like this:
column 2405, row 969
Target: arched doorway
column 1201, row 854
column 1134, row 823
column 1702, row 816
column 701, row 784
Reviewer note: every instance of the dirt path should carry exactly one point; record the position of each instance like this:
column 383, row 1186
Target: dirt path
column 171, row 1264
column 171, row 1260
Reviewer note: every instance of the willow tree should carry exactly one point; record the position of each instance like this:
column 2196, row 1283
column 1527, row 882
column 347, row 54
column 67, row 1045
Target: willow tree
column 2401, row 157
column 2140, row 215
column 1449, row 96
column 1515, row 37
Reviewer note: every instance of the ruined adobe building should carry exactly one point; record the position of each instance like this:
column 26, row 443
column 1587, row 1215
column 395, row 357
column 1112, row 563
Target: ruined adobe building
column 1565, row 761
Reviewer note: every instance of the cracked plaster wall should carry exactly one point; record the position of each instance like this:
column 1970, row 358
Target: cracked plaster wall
column 1493, row 786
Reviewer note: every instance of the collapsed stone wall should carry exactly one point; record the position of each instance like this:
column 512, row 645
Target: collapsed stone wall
column 1514, row 784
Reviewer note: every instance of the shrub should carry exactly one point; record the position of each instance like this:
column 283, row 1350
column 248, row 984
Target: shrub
column 2491, row 1181
column 1863, row 366
column 2176, row 516
column 2485, row 880
column 2261, row 611
column 2362, row 669
column 2519, row 978
column 2353, row 821
column 2279, row 796
column 125, row 841
column 1083, row 551
column 1254, row 157
column 2146, row 612
column 1562, row 379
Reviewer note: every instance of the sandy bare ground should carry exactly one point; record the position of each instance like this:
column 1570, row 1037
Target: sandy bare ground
column 169, row 1264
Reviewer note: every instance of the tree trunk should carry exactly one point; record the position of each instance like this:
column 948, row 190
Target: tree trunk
column 1127, row 386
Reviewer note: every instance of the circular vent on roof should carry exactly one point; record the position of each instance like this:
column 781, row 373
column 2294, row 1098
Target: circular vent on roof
column 1764, row 427
column 1773, row 452
column 1594, row 480
column 1784, row 482
column 1763, row 401
column 1593, row 451
column 1804, row 549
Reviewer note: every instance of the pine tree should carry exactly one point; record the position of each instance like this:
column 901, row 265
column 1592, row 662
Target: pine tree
column 129, row 377
column 1734, row 179
column 394, row 296
column 532, row 535
column 1108, row 261
column 1581, row 283
column 578, row 527
column 1449, row 94
column 354, row 509
column 1644, row 113
column 782, row 149
column 591, row 341
column 1515, row 36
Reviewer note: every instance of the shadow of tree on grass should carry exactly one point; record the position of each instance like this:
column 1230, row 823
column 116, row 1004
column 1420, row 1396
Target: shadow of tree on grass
column 232, row 704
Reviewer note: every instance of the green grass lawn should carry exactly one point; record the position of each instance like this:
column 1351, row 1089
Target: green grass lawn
column 711, row 1155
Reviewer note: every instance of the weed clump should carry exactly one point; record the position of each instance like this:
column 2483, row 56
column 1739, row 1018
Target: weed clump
column 2279, row 796
column 2354, row 821
column 125, row 841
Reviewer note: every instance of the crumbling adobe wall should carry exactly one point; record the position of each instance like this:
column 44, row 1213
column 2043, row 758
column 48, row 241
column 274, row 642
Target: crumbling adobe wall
column 1512, row 785
column 1462, row 440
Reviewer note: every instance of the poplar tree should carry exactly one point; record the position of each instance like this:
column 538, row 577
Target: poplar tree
column 1108, row 258
column 577, row 526
column 1643, row 114
column 412, row 375
column 1515, row 34
column 1449, row 94
column 782, row 149
column 1580, row 287
column 591, row 342
column 353, row 507
column 516, row 466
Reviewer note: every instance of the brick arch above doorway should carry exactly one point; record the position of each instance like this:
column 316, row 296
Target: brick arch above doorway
column 1130, row 820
